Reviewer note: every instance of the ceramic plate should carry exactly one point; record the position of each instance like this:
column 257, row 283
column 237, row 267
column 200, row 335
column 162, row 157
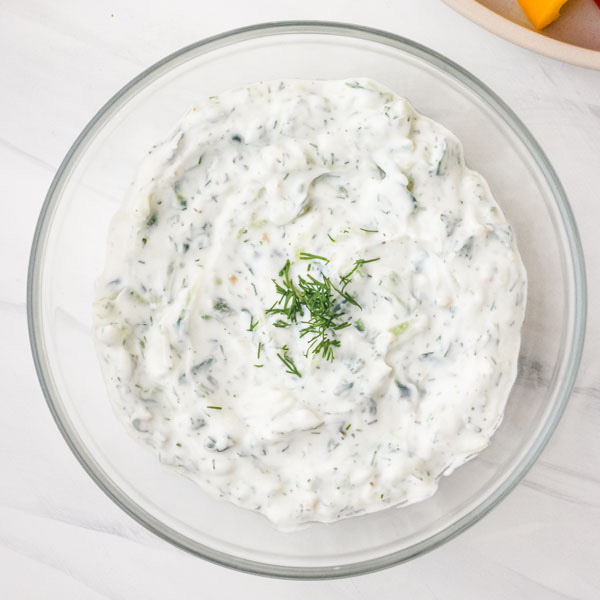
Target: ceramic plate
column 573, row 38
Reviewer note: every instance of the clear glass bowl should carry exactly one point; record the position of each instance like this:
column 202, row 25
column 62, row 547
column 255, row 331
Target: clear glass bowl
column 68, row 254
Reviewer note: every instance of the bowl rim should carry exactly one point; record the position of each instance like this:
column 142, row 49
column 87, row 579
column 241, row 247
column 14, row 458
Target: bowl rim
column 572, row 356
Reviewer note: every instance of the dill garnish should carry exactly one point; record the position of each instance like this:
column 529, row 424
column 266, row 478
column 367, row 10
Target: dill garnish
column 322, row 300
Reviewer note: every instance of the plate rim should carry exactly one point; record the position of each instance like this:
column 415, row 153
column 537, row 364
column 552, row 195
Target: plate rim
column 525, row 38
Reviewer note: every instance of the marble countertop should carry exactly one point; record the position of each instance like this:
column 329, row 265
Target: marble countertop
column 60, row 536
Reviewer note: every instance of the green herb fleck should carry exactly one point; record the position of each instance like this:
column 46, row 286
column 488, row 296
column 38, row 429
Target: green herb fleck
column 345, row 279
column 280, row 323
column 289, row 363
column 253, row 324
column 215, row 407
column 369, row 230
column 308, row 256
column 152, row 219
column 222, row 306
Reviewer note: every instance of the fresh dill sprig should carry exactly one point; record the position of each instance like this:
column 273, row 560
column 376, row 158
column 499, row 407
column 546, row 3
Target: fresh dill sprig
column 325, row 315
column 324, row 303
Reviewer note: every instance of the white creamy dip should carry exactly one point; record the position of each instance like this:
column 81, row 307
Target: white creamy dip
column 197, row 367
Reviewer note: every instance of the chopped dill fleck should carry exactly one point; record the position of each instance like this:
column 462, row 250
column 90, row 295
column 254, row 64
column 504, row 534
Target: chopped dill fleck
column 369, row 230
column 253, row 324
column 289, row 363
column 215, row 407
column 220, row 305
column 280, row 323
column 357, row 264
column 308, row 256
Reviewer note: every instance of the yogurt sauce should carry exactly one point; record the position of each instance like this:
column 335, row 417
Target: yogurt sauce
column 196, row 366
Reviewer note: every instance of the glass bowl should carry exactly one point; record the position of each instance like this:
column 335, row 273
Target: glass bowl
column 68, row 254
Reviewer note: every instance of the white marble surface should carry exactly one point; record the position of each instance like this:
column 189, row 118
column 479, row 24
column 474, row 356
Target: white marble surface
column 60, row 536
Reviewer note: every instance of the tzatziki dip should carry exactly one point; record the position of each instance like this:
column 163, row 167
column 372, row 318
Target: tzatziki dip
column 310, row 306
